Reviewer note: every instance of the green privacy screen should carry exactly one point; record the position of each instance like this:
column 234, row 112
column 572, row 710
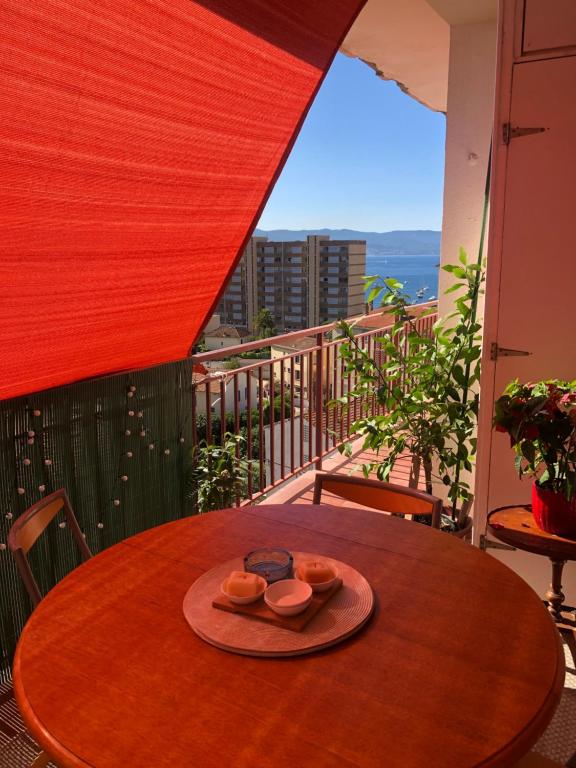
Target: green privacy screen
column 119, row 445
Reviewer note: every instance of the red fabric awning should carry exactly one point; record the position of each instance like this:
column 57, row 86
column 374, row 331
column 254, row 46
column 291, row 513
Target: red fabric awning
column 138, row 144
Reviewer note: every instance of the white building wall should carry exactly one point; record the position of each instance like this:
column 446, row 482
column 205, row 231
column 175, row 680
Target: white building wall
column 212, row 324
column 468, row 131
column 230, row 395
column 471, row 83
column 201, row 399
column 220, row 342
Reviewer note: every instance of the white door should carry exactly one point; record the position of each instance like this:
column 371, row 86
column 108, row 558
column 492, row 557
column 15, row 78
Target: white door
column 537, row 297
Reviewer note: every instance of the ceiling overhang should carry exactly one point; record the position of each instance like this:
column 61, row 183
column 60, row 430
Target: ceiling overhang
column 409, row 42
column 465, row 11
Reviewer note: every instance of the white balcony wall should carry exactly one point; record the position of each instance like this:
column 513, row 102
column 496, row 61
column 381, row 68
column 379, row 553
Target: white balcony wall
column 468, row 131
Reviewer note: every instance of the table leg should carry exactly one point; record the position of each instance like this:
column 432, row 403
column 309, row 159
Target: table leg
column 555, row 596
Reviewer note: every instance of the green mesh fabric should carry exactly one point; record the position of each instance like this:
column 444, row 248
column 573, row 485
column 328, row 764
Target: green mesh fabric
column 79, row 438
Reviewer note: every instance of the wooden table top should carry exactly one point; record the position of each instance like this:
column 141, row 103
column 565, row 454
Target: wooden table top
column 516, row 526
column 109, row 674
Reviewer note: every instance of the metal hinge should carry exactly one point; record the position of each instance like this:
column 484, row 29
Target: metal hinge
column 486, row 543
column 496, row 352
column 509, row 133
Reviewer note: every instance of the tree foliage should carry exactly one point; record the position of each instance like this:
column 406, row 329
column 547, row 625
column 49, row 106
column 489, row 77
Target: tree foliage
column 264, row 324
column 426, row 382
column 219, row 475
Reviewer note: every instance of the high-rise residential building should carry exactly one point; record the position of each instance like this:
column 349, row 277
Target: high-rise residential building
column 303, row 283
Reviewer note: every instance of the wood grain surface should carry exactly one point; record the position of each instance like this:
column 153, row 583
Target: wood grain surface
column 108, row 673
column 516, row 526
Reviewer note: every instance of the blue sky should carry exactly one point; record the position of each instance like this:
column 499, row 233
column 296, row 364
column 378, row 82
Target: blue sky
column 368, row 157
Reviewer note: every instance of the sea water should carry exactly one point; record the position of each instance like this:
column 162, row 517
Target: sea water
column 419, row 274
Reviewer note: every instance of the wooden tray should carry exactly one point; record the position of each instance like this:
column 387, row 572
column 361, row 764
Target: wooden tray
column 346, row 612
column 261, row 612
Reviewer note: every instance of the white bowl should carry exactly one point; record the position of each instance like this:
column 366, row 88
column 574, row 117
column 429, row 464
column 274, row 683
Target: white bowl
column 244, row 600
column 319, row 586
column 288, row 597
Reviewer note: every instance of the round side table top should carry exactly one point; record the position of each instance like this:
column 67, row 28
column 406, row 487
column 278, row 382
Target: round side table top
column 516, row 526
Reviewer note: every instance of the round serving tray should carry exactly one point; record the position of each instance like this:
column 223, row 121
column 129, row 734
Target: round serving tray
column 345, row 613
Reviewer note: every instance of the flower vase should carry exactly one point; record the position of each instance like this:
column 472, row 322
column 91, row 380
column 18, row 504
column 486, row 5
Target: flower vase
column 553, row 513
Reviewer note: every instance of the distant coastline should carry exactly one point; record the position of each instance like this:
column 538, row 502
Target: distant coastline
column 413, row 242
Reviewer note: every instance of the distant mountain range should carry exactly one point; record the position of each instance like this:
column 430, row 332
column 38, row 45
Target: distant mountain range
column 413, row 242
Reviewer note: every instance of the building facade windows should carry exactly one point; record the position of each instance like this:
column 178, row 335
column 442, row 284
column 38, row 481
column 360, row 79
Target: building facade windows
column 296, row 281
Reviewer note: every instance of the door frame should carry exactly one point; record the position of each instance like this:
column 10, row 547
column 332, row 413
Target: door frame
column 509, row 13
column 509, row 56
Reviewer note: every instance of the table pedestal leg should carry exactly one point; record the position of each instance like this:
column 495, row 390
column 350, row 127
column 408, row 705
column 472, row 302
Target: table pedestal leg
column 555, row 596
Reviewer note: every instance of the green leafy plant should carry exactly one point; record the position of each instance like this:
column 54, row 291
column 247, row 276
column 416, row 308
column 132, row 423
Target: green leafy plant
column 425, row 384
column 255, row 354
column 264, row 324
column 219, row 474
column 540, row 419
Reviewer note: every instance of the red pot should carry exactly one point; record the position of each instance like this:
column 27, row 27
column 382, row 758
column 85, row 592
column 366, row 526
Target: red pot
column 553, row 513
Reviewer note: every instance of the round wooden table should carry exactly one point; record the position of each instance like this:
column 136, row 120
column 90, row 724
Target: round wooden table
column 108, row 673
column 516, row 526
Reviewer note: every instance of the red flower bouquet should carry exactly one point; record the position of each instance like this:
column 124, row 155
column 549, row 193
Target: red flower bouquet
column 541, row 421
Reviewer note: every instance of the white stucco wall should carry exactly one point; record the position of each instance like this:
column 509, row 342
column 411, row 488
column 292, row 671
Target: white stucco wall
column 406, row 41
column 220, row 342
column 212, row 324
column 468, row 132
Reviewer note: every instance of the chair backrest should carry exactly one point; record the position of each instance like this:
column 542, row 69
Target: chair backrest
column 31, row 524
column 395, row 499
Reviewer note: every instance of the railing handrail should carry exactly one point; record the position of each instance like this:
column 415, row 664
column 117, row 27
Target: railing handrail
column 317, row 377
column 273, row 341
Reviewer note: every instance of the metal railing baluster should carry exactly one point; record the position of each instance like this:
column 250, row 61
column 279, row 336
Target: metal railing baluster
column 322, row 378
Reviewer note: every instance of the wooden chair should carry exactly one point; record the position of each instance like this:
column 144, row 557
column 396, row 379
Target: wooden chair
column 23, row 535
column 30, row 525
column 395, row 499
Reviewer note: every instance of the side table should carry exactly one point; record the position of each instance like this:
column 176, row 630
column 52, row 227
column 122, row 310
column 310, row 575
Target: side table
column 516, row 526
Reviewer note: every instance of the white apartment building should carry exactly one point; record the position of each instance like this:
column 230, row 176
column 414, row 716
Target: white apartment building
column 303, row 283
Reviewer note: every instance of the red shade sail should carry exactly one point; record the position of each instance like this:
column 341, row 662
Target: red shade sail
column 138, row 144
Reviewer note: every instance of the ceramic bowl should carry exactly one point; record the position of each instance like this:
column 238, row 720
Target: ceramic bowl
column 320, row 586
column 244, row 600
column 288, row 597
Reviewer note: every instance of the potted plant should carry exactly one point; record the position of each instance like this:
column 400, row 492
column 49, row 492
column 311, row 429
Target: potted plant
column 218, row 474
column 426, row 384
column 540, row 419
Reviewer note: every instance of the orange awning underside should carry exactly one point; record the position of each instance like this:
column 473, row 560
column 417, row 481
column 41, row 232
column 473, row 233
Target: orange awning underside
column 138, row 144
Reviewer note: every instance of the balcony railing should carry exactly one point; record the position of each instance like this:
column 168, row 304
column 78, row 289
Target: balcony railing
column 282, row 405
column 122, row 445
